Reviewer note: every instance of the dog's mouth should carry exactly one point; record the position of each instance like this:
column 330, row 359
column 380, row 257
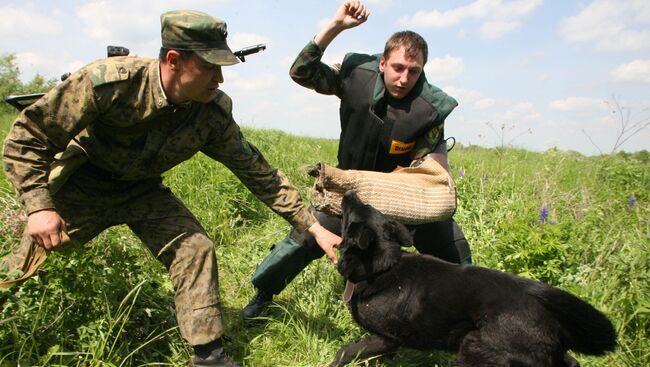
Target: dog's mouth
column 354, row 266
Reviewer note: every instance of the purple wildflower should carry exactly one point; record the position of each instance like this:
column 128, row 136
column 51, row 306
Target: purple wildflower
column 461, row 173
column 631, row 202
column 486, row 177
column 543, row 215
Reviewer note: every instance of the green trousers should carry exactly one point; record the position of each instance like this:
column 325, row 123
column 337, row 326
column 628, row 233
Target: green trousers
column 291, row 255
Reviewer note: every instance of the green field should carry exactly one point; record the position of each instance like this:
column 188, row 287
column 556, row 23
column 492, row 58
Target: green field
column 110, row 303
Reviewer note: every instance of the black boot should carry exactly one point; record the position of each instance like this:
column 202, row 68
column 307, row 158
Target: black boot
column 257, row 304
column 212, row 355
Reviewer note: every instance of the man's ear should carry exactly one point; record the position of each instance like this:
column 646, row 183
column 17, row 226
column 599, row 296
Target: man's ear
column 382, row 64
column 399, row 233
column 173, row 59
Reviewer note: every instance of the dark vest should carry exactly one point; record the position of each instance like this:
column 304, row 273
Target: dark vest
column 379, row 132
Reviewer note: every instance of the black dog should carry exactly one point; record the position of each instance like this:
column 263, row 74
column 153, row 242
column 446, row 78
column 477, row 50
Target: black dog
column 487, row 317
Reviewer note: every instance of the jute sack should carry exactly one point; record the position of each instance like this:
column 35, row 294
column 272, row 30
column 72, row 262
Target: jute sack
column 28, row 259
column 421, row 193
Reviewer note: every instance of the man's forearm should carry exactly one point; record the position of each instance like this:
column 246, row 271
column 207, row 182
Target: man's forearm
column 327, row 35
column 26, row 165
column 440, row 155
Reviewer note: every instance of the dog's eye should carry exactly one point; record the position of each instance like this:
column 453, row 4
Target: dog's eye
column 352, row 229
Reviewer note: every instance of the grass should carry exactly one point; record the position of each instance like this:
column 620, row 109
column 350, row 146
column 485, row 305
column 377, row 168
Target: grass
column 110, row 303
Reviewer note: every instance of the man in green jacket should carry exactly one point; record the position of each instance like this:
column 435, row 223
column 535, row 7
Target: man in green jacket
column 390, row 115
column 122, row 122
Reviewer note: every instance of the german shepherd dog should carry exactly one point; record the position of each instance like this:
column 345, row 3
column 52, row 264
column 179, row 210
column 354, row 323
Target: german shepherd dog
column 486, row 317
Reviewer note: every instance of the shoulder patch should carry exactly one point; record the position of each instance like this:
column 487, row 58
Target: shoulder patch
column 105, row 72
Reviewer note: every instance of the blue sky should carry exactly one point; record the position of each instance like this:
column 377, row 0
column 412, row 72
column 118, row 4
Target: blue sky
column 535, row 74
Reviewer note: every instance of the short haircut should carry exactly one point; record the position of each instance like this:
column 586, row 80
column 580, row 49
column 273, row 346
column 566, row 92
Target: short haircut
column 413, row 43
column 162, row 56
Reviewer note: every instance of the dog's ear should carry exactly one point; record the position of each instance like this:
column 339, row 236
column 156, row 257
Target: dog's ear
column 359, row 235
column 366, row 237
column 398, row 232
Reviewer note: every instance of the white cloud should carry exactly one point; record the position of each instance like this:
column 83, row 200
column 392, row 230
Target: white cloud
column 635, row 71
column 645, row 105
column 233, row 82
column 522, row 111
column 578, row 104
column 501, row 17
column 444, row 68
column 471, row 99
column 106, row 23
column 496, row 29
column 241, row 40
column 23, row 22
column 286, row 62
column 611, row 25
column 484, row 103
column 32, row 63
column 512, row 9
column 132, row 22
column 465, row 97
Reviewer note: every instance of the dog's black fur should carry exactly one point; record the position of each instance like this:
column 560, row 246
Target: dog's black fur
column 487, row 317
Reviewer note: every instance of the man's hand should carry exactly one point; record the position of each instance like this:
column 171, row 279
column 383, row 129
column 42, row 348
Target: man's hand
column 350, row 14
column 45, row 227
column 326, row 240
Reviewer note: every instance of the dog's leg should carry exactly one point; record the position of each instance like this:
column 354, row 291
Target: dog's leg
column 470, row 353
column 569, row 361
column 480, row 348
column 371, row 346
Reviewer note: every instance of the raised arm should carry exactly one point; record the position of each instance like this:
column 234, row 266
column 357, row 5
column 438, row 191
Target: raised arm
column 308, row 70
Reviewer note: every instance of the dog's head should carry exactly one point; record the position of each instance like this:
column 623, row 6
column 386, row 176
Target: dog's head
column 371, row 242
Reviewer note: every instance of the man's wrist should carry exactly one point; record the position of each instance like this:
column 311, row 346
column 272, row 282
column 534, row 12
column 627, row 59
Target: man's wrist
column 327, row 35
column 303, row 220
column 37, row 200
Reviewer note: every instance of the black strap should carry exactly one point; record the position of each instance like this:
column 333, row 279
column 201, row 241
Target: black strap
column 452, row 145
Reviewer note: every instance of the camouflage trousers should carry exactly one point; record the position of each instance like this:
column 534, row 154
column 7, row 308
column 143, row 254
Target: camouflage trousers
column 174, row 236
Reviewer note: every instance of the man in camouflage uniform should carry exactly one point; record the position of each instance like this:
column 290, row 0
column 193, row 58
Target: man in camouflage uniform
column 120, row 123
column 390, row 115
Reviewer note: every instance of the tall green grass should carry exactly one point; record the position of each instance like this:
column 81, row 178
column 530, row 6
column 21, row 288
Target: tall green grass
column 110, row 303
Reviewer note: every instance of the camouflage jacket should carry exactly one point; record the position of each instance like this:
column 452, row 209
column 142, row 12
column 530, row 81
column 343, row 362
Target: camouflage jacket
column 116, row 111
column 309, row 71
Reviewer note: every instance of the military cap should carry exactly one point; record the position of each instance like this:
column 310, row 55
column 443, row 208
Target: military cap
column 202, row 33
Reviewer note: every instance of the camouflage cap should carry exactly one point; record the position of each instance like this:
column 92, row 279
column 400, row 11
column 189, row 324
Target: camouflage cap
column 199, row 32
